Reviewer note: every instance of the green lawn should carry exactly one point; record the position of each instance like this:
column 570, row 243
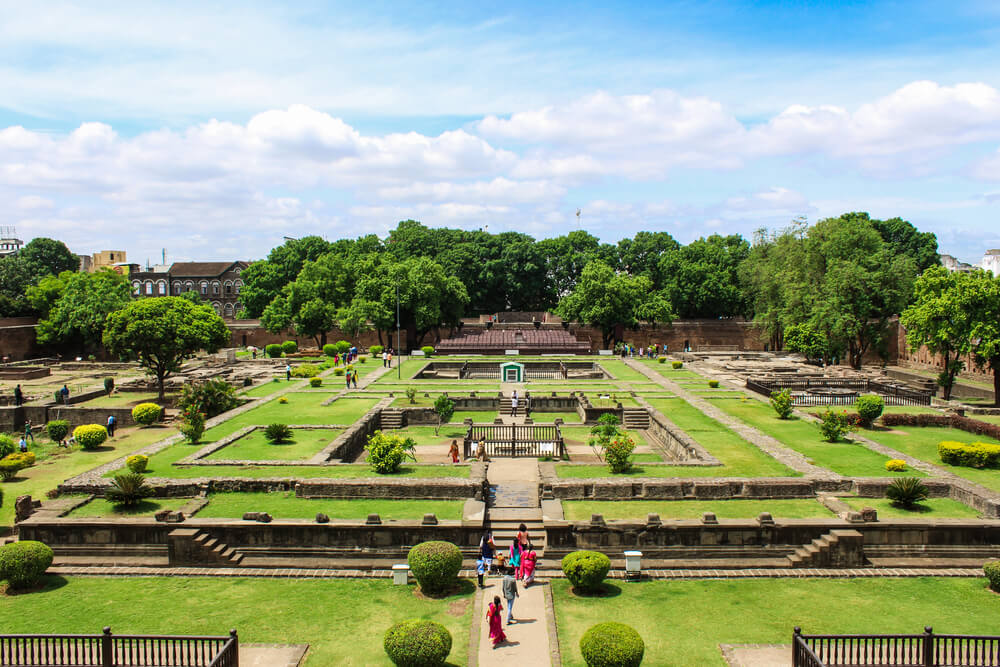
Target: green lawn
column 786, row 508
column 123, row 399
column 284, row 505
column 581, row 435
column 343, row 620
column 424, row 435
column 587, row 471
column 932, row 508
column 550, row 417
column 921, row 442
column 613, row 399
column 740, row 458
column 266, row 389
column 99, row 507
column 683, row 622
column 302, row 408
column 621, row 371
column 992, row 419
column 304, row 444
column 845, row 458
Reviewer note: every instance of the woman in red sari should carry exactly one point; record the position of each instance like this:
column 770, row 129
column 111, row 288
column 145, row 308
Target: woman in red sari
column 496, row 622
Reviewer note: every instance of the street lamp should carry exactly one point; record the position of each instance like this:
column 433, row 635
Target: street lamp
column 399, row 362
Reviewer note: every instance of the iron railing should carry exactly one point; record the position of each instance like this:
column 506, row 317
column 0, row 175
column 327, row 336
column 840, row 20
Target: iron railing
column 108, row 650
column 509, row 440
column 921, row 650
column 891, row 394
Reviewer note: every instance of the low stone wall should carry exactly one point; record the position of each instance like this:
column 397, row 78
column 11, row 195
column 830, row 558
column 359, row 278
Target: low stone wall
column 24, row 372
column 12, row 418
column 352, row 442
column 679, row 445
column 650, row 488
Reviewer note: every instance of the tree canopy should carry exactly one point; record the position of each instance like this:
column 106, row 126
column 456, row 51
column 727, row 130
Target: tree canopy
column 80, row 308
column 41, row 257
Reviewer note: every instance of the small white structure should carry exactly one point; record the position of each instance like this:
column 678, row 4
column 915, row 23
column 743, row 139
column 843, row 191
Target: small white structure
column 633, row 565
column 400, row 574
column 991, row 262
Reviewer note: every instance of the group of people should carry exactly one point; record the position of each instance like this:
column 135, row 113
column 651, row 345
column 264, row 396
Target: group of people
column 651, row 352
column 517, row 565
column 387, row 358
column 515, row 403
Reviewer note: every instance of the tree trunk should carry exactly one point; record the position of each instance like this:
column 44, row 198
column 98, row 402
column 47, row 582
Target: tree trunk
column 949, row 376
column 322, row 340
column 995, row 365
column 160, row 376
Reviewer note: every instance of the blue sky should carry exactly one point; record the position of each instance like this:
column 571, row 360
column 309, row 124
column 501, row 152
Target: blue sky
column 214, row 129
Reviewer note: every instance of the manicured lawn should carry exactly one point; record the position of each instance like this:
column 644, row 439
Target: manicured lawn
column 797, row 508
column 61, row 465
column 303, row 444
column 302, row 408
column 343, row 620
column 409, row 368
column 921, row 442
column 478, row 416
column 99, row 507
column 265, row 389
column 597, row 400
column 581, row 435
column 424, row 435
column 284, row 505
column 550, row 417
column 647, row 458
column 740, row 458
column 586, row 471
column 992, row 419
column 620, row 371
column 122, row 399
column 683, row 622
column 932, row 508
column 845, row 458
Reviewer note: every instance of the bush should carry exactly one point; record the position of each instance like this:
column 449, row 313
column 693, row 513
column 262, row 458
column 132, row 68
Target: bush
column 386, row 452
column 289, row 347
column 305, row 371
column 315, row 382
column 90, row 436
column 992, row 572
column 834, row 425
column 714, row 384
column 192, row 424
column 329, row 349
column 273, row 350
column 7, row 445
column 282, row 400
column 146, row 413
column 137, row 463
column 975, row 455
column 586, row 570
column 128, row 489
column 211, row 397
column 435, row 565
column 339, row 372
column 444, row 407
column 23, row 563
column 10, row 465
column 781, row 401
column 362, row 359
column 612, row 645
column 618, row 454
column 375, row 350
column 677, row 364
column 109, row 385
column 343, row 346
column 411, row 393
column 967, row 424
column 278, row 433
column 417, row 643
column 869, row 408
column 428, row 350
column 895, row 465
column 906, row 492
column 57, row 430
column 661, row 360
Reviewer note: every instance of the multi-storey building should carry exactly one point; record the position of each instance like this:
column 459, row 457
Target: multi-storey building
column 218, row 283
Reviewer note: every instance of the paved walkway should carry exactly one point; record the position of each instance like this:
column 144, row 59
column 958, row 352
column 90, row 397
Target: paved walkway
column 527, row 637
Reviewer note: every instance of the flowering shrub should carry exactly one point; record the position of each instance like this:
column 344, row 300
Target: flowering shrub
column 90, row 436
column 834, row 425
column 781, row 401
column 386, row 452
column 895, row 465
column 618, row 453
column 193, row 424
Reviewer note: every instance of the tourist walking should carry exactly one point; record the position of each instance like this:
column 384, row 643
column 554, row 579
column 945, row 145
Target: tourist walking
column 22, row 444
column 354, row 379
column 487, row 549
column 453, row 452
column 112, row 422
column 27, row 431
column 347, row 378
column 510, row 592
column 528, row 562
column 385, row 355
column 515, row 556
column 18, row 396
column 527, row 406
column 64, row 392
column 493, row 616
column 288, row 372
column 513, row 404
column 390, row 357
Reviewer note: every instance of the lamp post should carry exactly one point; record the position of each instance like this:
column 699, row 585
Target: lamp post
column 399, row 362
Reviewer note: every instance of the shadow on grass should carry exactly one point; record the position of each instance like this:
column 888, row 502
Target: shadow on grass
column 50, row 582
column 605, row 590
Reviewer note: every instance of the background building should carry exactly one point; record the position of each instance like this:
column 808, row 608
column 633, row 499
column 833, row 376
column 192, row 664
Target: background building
column 991, row 262
column 217, row 283
column 9, row 243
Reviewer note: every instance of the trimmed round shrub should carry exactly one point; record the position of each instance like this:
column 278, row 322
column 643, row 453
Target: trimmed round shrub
column 23, row 563
column 586, row 570
column 992, row 571
column 315, row 382
column 329, row 349
column 343, row 346
column 289, row 347
column 895, row 465
column 362, row 359
column 338, row 371
column 428, row 350
column 612, row 645
column 375, row 350
column 714, row 384
column 417, row 644
column 57, row 430
column 146, row 413
column 90, row 436
column 435, row 565
column 677, row 364
column 283, row 400
column 869, row 407
column 109, row 385
column 7, row 445
column 273, row 350
column 305, row 371
column 10, row 465
column 137, row 463
column 661, row 360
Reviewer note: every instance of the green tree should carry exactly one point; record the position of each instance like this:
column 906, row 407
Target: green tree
column 163, row 332
column 77, row 318
column 983, row 299
column 905, row 239
column 46, row 257
column 46, row 293
column 566, row 257
column 39, row 258
column 264, row 280
column 939, row 319
column 605, row 299
column 702, row 279
column 806, row 339
column 641, row 255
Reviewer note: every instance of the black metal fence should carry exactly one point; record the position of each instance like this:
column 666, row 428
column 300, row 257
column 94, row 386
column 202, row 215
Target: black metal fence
column 510, row 440
column 921, row 650
column 108, row 650
column 809, row 391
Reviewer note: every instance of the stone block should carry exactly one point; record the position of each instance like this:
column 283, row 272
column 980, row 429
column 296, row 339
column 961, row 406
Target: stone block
column 262, row 517
column 709, row 518
column 373, row 519
column 653, row 520
column 597, row 520
column 174, row 517
column 429, row 520
column 854, row 517
column 869, row 514
column 23, row 508
column 322, row 518
column 765, row 519
column 161, row 516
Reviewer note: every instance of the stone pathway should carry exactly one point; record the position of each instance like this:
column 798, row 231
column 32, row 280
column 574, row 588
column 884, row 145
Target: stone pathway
column 272, row 655
column 527, row 637
column 757, row 655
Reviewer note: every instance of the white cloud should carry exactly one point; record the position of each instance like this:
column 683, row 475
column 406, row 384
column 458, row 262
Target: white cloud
column 34, row 202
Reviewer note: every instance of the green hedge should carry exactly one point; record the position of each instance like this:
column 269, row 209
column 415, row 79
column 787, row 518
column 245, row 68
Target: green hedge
column 57, row 429
column 273, row 350
column 586, row 570
column 23, row 563
column 7, row 445
column 975, row 455
column 869, row 407
column 289, row 347
column 417, row 643
column 90, row 436
column 435, row 565
column 992, row 570
column 612, row 645
column 329, row 349
column 146, row 413
column 137, row 463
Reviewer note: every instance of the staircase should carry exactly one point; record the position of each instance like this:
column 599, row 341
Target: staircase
column 636, row 419
column 838, row 548
column 191, row 546
column 513, row 501
column 391, row 419
column 505, row 406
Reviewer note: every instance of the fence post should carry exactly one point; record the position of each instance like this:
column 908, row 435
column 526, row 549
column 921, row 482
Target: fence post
column 236, row 648
column 796, row 638
column 928, row 646
column 107, row 650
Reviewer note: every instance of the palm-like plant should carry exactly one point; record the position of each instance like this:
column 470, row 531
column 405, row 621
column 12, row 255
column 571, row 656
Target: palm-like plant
column 128, row 489
column 906, row 492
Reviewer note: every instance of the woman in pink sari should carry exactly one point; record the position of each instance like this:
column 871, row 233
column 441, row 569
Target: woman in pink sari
column 528, row 566
column 496, row 621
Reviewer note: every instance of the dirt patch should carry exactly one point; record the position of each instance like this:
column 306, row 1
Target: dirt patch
column 459, row 607
column 456, row 589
